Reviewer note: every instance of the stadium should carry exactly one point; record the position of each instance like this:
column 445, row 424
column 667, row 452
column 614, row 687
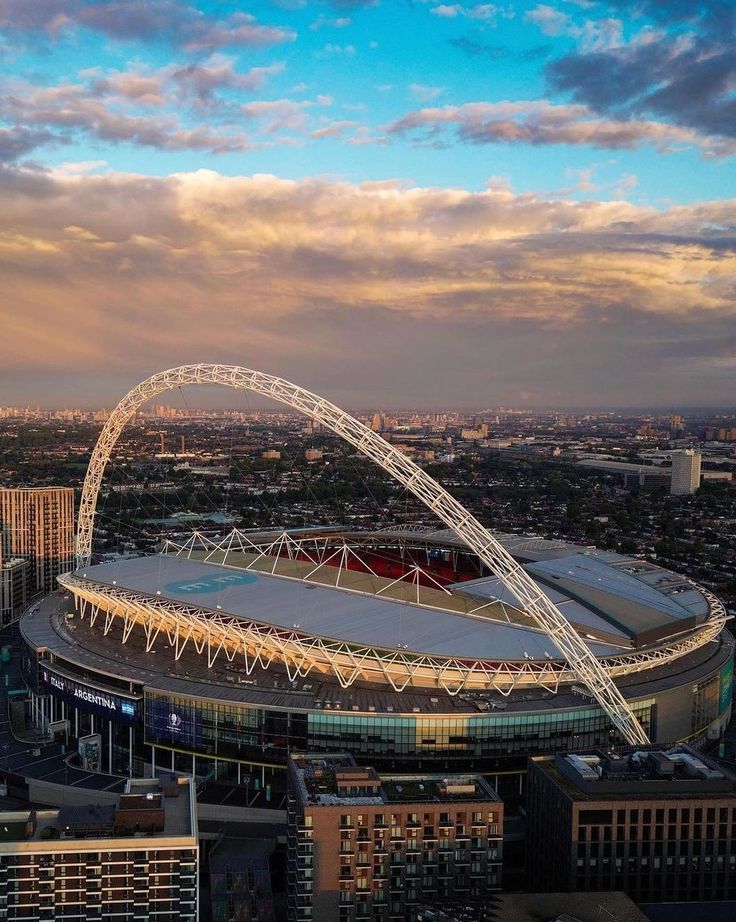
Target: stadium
column 415, row 648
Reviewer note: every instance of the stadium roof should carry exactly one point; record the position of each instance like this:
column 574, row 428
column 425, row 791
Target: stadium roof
column 330, row 612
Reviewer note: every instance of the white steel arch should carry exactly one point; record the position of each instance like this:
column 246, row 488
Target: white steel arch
column 538, row 606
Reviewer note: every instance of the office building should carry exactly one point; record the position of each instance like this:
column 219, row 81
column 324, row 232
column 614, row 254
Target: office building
column 363, row 845
column 13, row 588
column 685, row 472
column 38, row 526
column 134, row 860
column 657, row 824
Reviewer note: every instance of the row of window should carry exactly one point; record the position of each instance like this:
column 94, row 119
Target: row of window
column 230, row 731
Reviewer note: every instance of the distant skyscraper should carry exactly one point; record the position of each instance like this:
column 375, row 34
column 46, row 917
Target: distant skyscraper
column 685, row 472
column 378, row 422
column 38, row 525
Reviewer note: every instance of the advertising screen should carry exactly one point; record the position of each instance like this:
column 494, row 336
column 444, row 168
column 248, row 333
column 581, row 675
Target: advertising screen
column 89, row 697
column 90, row 749
column 172, row 722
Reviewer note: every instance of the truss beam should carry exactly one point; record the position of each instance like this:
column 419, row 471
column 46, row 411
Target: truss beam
column 538, row 606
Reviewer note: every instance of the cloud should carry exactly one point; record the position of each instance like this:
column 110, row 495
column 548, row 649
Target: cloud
column 330, row 22
column 332, row 283
column 201, row 82
column 277, row 115
column 178, row 107
column 18, row 141
column 423, row 93
column 686, row 77
column 593, row 35
column 333, row 50
column 59, row 111
column 476, row 49
column 540, row 122
column 484, row 12
column 173, row 21
column 336, row 129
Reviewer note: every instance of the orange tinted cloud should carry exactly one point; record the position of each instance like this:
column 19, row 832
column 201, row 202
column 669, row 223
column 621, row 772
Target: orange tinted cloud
column 124, row 271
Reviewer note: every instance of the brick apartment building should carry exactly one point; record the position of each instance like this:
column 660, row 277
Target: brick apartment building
column 379, row 847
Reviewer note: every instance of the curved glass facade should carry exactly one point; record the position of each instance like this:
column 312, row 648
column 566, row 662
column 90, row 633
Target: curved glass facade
column 143, row 724
column 240, row 733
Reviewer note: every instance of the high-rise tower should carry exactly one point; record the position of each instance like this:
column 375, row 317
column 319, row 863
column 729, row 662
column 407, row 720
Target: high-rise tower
column 685, row 472
column 38, row 525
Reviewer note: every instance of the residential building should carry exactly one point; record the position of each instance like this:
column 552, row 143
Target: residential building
column 385, row 847
column 38, row 525
column 658, row 824
column 13, row 588
column 134, row 860
column 685, row 472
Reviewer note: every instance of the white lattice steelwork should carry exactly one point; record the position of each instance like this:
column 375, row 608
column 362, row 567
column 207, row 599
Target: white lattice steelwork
column 535, row 603
column 300, row 653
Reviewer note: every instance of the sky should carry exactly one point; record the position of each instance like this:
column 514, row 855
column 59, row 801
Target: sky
column 394, row 203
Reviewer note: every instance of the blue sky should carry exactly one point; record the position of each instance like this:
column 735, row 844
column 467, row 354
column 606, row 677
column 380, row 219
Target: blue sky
column 335, row 78
column 540, row 194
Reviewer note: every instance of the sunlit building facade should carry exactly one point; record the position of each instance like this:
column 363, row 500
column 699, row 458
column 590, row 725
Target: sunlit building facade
column 38, row 526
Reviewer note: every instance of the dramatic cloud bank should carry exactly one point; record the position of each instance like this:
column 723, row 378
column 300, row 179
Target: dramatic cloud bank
column 684, row 77
column 368, row 291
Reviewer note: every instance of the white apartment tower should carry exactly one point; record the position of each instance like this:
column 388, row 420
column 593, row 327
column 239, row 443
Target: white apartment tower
column 685, row 472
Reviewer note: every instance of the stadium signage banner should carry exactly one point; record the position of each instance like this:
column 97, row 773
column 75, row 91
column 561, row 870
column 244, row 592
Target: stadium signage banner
column 89, row 698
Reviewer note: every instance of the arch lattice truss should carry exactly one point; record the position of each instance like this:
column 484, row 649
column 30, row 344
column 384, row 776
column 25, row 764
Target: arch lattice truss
column 538, row 606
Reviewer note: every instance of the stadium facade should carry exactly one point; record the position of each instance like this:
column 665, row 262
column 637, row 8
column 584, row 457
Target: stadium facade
column 396, row 645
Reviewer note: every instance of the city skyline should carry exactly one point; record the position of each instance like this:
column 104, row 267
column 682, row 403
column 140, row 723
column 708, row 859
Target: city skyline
column 528, row 203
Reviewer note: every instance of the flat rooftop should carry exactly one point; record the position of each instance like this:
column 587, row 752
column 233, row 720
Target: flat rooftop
column 659, row 772
column 161, row 807
column 334, row 779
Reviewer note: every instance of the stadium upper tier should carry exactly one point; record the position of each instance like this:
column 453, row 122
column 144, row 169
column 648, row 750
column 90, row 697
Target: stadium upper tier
column 332, row 602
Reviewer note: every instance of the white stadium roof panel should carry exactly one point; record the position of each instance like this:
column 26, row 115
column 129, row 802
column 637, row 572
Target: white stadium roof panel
column 328, row 612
